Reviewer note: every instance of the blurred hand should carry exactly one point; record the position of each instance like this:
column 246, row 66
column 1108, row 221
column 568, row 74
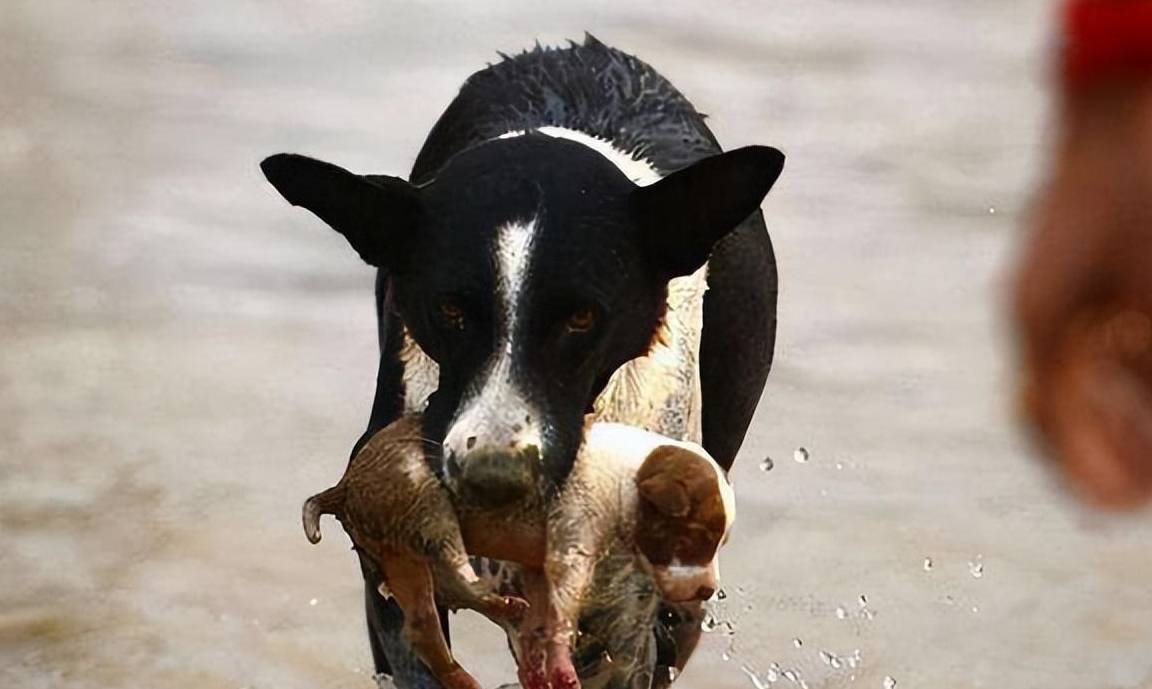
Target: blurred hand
column 1083, row 300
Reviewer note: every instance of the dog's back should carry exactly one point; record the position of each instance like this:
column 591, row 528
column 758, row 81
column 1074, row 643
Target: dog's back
column 590, row 88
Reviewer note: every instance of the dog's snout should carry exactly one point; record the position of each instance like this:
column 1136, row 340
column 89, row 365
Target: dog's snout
column 495, row 477
column 492, row 471
column 705, row 592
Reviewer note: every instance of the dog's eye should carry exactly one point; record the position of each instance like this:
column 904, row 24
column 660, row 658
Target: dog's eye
column 581, row 320
column 451, row 313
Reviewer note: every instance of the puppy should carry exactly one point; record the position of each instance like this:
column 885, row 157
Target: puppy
column 396, row 512
column 635, row 495
column 663, row 501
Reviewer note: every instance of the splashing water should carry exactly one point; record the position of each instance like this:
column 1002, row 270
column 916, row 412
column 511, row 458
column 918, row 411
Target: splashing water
column 889, row 683
column 976, row 567
column 757, row 681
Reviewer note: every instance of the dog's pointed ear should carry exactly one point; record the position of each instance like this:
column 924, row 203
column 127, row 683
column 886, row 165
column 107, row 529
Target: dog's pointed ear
column 375, row 213
column 682, row 216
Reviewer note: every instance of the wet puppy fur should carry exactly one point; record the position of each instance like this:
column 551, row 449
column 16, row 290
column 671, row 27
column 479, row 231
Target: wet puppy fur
column 664, row 501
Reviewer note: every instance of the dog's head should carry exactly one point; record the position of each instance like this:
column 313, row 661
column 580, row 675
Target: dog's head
column 686, row 510
column 530, row 268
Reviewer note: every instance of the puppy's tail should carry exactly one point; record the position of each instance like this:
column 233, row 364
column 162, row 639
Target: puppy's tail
column 328, row 502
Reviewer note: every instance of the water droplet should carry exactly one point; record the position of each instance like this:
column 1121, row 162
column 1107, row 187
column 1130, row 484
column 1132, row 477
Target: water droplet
column 720, row 594
column 827, row 657
column 757, row 681
column 841, row 613
column 927, row 564
column 313, row 602
column 673, row 673
column 836, row 663
column 725, row 655
column 976, row 568
column 840, row 465
column 709, row 623
column 991, row 211
column 889, row 683
column 797, row 642
column 800, row 455
column 975, row 609
column 773, row 674
column 767, row 464
column 791, row 676
column 863, row 600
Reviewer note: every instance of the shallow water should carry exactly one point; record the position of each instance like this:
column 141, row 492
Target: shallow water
column 183, row 358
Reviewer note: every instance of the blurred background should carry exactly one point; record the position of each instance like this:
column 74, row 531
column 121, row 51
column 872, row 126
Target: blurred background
column 183, row 358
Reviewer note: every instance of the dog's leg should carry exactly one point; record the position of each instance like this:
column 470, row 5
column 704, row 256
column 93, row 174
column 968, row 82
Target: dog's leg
column 410, row 583
column 391, row 655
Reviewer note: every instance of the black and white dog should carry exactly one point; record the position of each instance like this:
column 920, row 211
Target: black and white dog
column 527, row 262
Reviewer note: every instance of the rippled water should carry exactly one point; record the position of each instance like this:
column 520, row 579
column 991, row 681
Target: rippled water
column 183, row 358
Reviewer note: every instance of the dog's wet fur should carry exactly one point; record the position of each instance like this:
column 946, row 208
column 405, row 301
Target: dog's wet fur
column 526, row 264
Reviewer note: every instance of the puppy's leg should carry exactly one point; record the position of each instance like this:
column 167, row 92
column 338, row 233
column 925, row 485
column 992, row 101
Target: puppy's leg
column 575, row 540
column 460, row 588
column 410, row 583
column 533, row 633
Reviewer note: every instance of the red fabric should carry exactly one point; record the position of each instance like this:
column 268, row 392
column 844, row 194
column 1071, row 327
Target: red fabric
column 1105, row 40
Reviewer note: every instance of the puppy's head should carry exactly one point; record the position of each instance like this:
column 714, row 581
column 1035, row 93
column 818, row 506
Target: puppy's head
column 686, row 509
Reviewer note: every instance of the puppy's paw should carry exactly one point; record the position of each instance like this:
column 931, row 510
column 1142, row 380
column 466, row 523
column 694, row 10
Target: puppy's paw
column 561, row 672
column 514, row 608
column 459, row 679
column 532, row 678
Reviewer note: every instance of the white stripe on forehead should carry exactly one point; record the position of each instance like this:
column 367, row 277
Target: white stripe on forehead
column 496, row 410
column 641, row 172
column 511, row 254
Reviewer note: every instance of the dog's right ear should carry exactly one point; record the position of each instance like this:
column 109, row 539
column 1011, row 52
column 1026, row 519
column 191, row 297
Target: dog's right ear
column 376, row 214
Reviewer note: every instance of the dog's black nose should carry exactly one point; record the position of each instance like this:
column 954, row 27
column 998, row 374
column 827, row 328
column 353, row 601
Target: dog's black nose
column 704, row 592
column 492, row 478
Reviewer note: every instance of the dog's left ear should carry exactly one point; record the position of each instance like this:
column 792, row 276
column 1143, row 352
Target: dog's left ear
column 375, row 213
column 683, row 215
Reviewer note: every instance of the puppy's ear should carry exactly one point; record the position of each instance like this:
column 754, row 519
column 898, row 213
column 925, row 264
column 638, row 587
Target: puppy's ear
column 666, row 494
column 680, row 482
column 376, row 214
column 683, row 215
column 664, row 480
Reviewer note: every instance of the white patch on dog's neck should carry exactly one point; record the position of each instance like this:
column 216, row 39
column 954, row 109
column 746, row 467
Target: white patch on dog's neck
column 641, row 172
